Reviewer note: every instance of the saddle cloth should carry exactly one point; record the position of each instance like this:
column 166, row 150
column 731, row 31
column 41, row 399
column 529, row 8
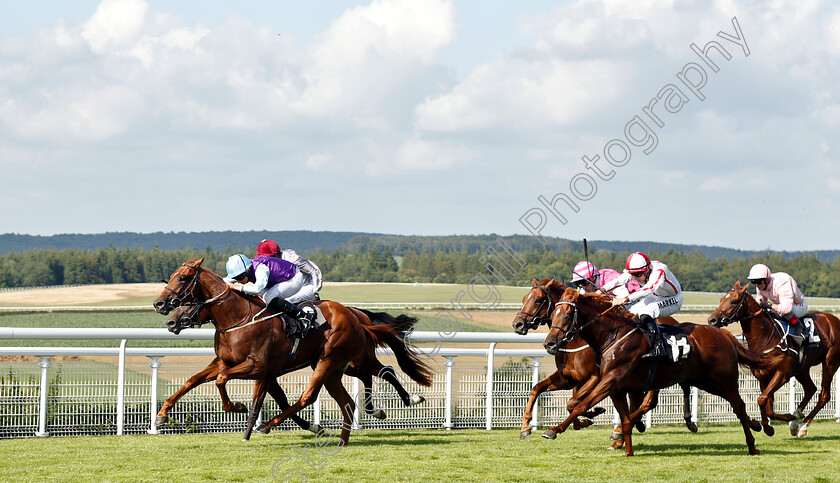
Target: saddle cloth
column 809, row 328
column 676, row 342
column 319, row 316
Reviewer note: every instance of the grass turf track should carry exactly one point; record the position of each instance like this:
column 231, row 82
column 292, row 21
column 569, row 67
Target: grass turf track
column 717, row 453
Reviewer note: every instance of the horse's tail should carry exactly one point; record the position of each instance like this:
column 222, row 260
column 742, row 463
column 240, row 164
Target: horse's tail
column 752, row 359
column 391, row 331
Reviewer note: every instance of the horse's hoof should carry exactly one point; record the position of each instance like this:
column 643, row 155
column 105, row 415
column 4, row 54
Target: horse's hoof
column 616, row 445
column 616, row 436
column 239, row 408
column 263, row 428
column 755, row 425
column 416, row 399
column 378, row 414
column 755, row 451
column 161, row 420
column 581, row 423
column 640, row 427
column 524, row 434
column 692, row 426
column 769, row 431
column 803, row 431
column 598, row 411
column 549, row 434
column 794, row 428
column 316, row 428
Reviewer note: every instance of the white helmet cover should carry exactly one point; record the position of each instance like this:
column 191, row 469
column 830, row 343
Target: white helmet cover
column 759, row 271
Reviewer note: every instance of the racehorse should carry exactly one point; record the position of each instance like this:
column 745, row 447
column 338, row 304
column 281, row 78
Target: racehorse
column 576, row 365
column 763, row 335
column 363, row 368
column 610, row 330
column 250, row 345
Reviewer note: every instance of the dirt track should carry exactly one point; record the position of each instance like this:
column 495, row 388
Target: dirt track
column 88, row 294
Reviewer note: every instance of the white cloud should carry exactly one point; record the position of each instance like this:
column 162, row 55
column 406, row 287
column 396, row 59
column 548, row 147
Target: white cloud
column 115, row 23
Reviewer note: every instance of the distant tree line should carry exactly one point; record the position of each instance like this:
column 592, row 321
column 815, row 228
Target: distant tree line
column 373, row 263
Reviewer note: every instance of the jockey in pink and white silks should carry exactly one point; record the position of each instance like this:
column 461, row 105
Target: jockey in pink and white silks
column 660, row 295
column 781, row 291
column 588, row 278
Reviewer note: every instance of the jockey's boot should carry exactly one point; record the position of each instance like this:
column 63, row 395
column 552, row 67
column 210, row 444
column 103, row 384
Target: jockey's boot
column 648, row 324
column 300, row 321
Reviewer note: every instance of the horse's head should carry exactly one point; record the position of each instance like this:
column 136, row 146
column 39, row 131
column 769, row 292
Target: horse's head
column 187, row 317
column 733, row 306
column 565, row 321
column 180, row 287
column 537, row 305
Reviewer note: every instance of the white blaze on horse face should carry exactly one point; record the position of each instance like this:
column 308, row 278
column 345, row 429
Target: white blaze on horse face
column 529, row 297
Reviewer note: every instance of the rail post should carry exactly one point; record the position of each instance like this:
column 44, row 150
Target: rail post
column 153, row 395
column 45, row 388
column 447, row 398
column 695, row 404
column 356, row 412
column 791, row 396
column 489, row 397
column 121, row 390
column 535, row 378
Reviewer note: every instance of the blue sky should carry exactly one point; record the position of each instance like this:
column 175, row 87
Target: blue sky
column 422, row 117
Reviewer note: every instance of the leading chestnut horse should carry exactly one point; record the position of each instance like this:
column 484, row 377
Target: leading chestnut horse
column 576, row 365
column 363, row 368
column 251, row 343
column 611, row 331
column 763, row 336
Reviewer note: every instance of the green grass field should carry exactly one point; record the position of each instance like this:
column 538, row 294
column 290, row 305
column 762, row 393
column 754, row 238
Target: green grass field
column 717, row 453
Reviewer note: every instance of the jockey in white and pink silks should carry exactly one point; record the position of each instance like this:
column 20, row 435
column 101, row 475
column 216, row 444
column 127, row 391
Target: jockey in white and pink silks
column 660, row 295
column 588, row 278
column 781, row 290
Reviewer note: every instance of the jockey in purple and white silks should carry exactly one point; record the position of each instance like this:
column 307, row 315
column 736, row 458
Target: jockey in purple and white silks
column 313, row 279
column 588, row 278
column 659, row 296
column 278, row 282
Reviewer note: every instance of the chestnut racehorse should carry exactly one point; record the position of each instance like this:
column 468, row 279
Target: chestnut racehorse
column 362, row 368
column 576, row 366
column 611, row 331
column 251, row 342
column 763, row 335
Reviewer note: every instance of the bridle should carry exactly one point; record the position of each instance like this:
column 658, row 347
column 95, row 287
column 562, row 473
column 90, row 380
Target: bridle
column 537, row 320
column 574, row 330
column 732, row 316
column 187, row 295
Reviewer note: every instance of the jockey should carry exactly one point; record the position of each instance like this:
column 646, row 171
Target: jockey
column 314, row 279
column 660, row 295
column 781, row 290
column 278, row 282
column 587, row 278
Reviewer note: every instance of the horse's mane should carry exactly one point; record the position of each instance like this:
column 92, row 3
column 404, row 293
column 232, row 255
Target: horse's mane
column 605, row 302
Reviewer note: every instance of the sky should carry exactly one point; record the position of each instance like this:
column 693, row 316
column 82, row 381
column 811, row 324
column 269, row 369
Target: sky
column 713, row 123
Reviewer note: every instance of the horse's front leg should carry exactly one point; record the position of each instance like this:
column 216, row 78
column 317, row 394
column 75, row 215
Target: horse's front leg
column 207, row 374
column 260, row 387
column 765, row 403
column 550, row 383
column 282, row 401
column 601, row 391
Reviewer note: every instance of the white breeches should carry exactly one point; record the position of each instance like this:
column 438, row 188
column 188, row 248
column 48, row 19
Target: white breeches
column 656, row 306
column 297, row 289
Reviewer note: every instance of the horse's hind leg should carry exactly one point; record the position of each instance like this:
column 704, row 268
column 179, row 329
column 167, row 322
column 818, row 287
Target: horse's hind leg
column 333, row 384
column 829, row 368
column 367, row 381
column 207, row 374
column 620, row 403
column 282, row 401
column 809, row 388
